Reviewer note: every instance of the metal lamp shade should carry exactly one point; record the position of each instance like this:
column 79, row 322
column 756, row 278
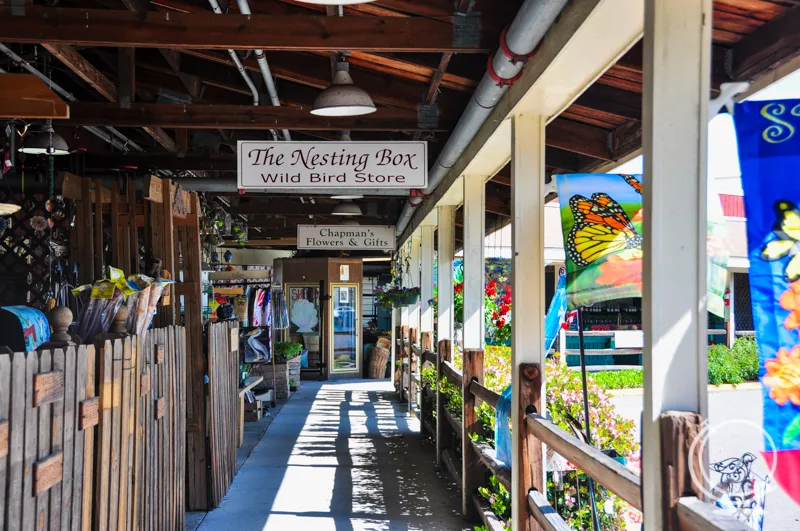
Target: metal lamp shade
column 349, row 221
column 346, row 208
column 40, row 144
column 343, row 98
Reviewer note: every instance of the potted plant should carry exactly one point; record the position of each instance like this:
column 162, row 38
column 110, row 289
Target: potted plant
column 292, row 385
column 286, row 350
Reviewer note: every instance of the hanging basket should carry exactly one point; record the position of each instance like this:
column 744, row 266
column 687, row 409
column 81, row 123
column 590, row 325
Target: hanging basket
column 409, row 299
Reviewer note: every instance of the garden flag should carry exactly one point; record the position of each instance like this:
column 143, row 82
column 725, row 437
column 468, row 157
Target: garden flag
column 768, row 134
column 601, row 219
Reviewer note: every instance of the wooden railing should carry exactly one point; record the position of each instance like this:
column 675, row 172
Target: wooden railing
column 478, row 459
column 94, row 437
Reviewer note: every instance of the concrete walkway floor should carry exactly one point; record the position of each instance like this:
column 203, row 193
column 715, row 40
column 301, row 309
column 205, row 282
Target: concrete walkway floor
column 340, row 456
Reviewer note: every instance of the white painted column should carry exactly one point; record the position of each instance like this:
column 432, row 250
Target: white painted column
column 731, row 309
column 413, row 274
column 446, row 249
column 677, row 66
column 426, row 318
column 527, row 272
column 474, row 267
column 405, row 280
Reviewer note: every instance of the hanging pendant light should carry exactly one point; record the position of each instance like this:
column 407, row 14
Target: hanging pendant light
column 349, row 221
column 45, row 142
column 346, row 208
column 336, row 2
column 343, row 98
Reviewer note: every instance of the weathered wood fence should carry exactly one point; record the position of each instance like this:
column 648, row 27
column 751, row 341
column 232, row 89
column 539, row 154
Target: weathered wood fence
column 469, row 463
column 223, row 401
column 95, row 438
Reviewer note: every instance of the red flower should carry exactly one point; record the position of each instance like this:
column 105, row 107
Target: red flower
column 490, row 290
column 507, row 297
column 494, row 315
column 504, row 309
column 500, row 323
column 459, row 287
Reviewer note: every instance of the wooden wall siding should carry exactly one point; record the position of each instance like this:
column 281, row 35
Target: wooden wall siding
column 45, row 480
column 223, row 390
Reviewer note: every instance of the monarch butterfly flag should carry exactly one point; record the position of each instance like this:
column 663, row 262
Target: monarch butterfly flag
column 601, row 219
column 768, row 134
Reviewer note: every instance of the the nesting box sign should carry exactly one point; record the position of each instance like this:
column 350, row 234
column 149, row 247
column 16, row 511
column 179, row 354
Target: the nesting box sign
column 375, row 237
column 369, row 165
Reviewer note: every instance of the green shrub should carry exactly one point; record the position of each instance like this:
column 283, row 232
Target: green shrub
column 746, row 354
column 722, row 366
column 622, row 379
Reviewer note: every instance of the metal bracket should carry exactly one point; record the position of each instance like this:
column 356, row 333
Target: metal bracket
column 467, row 30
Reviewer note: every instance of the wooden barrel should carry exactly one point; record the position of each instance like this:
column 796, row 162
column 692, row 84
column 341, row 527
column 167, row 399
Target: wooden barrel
column 377, row 363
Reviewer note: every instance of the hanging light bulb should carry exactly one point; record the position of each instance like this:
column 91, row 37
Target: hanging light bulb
column 343, row 98
column 45, row 142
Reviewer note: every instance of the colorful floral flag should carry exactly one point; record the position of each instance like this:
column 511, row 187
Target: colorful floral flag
column 768, row 134
column 601, row 219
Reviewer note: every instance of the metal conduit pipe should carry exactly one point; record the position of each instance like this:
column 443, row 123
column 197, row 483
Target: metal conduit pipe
column 69, row 97
column 244, row 9
column 529, row 26
column 239, row 66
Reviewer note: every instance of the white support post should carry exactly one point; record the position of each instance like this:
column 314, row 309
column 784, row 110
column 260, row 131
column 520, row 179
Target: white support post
column 446, row 249
column 474, row 266
column 426, row 319
column 527, row 274
column 413, row 275
column 731, row 310
column 405, row 280
column 677, row 67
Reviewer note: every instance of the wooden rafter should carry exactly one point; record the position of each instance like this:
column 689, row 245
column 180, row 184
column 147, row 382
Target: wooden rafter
column 98, row 27
column 771, row 45
column 97, row 80
column 240, row 117
column 314, row 71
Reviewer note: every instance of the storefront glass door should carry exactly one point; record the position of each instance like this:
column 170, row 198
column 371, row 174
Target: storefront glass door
column 345, row 329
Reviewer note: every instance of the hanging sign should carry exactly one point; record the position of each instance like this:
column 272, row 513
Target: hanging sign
column 399, row 165
column 375, row 237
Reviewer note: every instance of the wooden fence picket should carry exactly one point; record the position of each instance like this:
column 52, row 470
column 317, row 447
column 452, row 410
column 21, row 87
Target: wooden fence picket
column 90, row 452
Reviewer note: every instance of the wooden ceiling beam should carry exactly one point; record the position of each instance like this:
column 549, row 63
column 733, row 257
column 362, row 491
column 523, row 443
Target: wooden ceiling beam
column 97, row 80
column 314, row 71
column 611, row 100
column 578, row 138
column 240, row 117
column 100, row 27
column 26, row 96
column 771, row 45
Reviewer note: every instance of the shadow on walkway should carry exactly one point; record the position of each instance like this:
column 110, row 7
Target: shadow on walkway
column 340, row 456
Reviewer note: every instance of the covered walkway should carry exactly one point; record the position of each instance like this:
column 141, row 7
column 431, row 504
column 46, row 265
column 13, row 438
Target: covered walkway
column 340, row 457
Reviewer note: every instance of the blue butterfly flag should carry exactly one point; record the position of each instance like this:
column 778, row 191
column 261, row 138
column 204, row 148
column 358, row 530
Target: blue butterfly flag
column 768, row 134
column 552, row 324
